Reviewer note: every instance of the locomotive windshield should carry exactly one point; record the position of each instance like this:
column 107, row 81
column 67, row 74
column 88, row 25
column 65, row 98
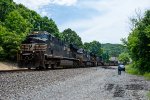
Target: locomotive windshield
column 36, row 38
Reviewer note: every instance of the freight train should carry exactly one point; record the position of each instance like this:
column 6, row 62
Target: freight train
column 42, row 50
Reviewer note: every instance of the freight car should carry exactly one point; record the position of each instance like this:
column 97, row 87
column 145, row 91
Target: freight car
column 42, row 50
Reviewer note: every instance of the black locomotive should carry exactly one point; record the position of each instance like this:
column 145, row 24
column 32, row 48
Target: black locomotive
column 40, row 49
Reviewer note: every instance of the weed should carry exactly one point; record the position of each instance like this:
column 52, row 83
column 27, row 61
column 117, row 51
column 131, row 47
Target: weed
column 131, row 70
column 147, row 76
column 148, row 94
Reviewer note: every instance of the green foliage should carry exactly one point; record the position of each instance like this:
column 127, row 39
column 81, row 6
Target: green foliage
column 139, row 44
column 71, row 37
column 105, row 56
column 124, row 58
column 148, row 94
column 147, row 76
column 16, row 21
column 6, row 6
column 132, row 70
column 9, row 43
column 113, row 50
column 49, row 26
column 94, row 47
column 124, row 41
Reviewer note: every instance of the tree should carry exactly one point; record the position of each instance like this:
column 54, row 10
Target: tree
column 138, row 43
column 15, row 22
column 6, row 6
column 71, row 37
column 113, row 50
column 105, row 56
column 10, row 43
column 124, row 41
column 2, row 32
column 93, row 47
column 124, row 58
column 49, row 26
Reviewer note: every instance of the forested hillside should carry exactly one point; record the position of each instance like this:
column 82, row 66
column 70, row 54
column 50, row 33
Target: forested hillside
column 113, row 49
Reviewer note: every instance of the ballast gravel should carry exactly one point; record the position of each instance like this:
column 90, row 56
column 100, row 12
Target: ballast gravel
column 91, row 83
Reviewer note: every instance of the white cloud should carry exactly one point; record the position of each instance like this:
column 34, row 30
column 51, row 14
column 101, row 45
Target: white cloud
column 36, row 4
column 65, row 2
column 33, row 4
column 109, row 26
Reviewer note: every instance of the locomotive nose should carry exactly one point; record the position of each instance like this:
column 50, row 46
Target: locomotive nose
column 27, row 56
column 27, row 47
column 33, row 47
column 40, row 47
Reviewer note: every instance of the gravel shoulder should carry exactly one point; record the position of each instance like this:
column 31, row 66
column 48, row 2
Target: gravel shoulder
column 95, row 83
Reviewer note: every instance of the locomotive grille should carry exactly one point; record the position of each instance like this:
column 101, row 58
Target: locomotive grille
column 26, row 47
column 34, row 47
column 40, row 47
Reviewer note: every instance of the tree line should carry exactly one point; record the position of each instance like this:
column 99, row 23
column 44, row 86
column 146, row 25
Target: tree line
column 17, row 21
column 138, row 42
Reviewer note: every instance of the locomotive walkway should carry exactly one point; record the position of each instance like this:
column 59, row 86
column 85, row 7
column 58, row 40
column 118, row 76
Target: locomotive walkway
column 95, row 83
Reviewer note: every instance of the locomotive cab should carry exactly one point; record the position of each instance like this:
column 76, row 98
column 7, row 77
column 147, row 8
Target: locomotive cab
column 32, row 49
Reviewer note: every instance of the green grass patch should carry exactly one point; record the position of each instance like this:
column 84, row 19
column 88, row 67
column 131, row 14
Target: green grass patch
column 148, row 94
column 147, row 76
column 131, row 70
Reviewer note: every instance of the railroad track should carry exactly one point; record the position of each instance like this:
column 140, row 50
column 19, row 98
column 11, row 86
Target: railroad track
column 18, row 70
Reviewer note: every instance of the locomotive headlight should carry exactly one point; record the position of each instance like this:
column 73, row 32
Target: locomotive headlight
column 22, row 46
column 33, row 51
column 20, row 51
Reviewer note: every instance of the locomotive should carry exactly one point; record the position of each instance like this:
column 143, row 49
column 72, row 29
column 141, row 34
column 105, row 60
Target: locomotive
column 42, row 50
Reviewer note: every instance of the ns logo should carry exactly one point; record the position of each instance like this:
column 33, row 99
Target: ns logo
column 29, row 46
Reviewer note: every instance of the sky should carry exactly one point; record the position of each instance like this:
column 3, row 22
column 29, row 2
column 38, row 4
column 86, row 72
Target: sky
column 106, row 21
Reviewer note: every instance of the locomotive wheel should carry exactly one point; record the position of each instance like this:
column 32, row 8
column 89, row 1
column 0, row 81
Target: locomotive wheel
column 37, row 68
column 46, row 66
column 40, row 68
column 29, row 68
column 84, row 64
column 75, row 64
column 20, row 63
column 52, row 66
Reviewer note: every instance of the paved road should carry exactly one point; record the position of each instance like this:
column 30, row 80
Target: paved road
column 94, row 83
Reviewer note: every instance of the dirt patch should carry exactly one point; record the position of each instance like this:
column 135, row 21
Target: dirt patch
column 135, row 94
column 119, row 91
column 8, row 66
column 135, row 87
column 109, row 67
column 109, row 87
column 136, row 80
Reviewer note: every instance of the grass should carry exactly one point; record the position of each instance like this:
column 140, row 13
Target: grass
column 131, row 70
column 134, row 71
column 148, row 94
column 147, row 76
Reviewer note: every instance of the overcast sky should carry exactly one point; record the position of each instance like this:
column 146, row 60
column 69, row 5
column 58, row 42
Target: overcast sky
column 106, row 21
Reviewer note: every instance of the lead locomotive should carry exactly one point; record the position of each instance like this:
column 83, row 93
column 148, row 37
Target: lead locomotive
column 41, row 50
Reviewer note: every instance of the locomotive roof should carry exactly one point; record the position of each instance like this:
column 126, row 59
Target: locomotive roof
column 40, row 32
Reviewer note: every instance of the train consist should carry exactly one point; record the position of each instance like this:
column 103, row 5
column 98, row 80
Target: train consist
column 42, row 50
